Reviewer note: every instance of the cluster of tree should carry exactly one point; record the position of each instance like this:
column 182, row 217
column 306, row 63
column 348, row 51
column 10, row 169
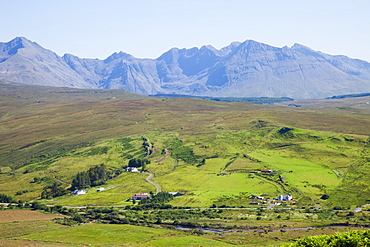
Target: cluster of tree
column 95, row 176
column 138, row 163
column 54, row 190
column 255, row 100
column 161, row 197
column 148, row 146
column 6, row 199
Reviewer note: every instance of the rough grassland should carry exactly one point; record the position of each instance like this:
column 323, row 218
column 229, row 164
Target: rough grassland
column 24, row 215
column 18, row 223
column 46, row 233
column 57, row 136
column 121, row 235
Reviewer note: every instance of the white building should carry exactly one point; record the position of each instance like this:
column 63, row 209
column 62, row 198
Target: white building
column 285, row 197
column 79, row 192
column 132, row 169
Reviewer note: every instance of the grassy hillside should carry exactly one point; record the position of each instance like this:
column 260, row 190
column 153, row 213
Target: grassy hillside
column 217, row 149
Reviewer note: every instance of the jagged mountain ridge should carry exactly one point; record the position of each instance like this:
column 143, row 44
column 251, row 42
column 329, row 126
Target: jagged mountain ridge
column 248, row 69
column 26, row 62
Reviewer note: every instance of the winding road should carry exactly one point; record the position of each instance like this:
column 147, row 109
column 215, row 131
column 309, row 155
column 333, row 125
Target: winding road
column 148, row 179
column 151, row 175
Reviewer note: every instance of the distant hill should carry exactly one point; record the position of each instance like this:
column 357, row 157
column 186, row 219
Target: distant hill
column 39, row 94
column 248, row 69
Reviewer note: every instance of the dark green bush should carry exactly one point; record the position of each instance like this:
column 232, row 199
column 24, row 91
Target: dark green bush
column 353, row 238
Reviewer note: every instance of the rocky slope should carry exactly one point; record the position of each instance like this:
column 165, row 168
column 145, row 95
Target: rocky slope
column 248, row 69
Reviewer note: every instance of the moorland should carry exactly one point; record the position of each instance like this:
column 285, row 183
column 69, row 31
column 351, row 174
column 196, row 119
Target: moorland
column 226, row 162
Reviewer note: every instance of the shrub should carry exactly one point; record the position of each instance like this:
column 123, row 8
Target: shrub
column 98, row 151
column 337, row 208
column 138, row 162
column 6, row 199
column 325, row 197
column 340, row 239
column 21, row 192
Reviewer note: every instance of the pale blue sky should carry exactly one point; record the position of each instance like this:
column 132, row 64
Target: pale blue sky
column 147, row 28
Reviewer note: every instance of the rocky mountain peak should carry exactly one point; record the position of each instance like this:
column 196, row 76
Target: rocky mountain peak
column 120, row 55
column 247, row 69
column 12, row 47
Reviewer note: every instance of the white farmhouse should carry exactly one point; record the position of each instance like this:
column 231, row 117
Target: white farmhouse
column 288, row 197
column 132, row 169
column 79, row 192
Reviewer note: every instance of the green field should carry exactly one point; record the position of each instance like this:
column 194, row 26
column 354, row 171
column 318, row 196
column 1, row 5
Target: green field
column 211, row 152
column 61, row 136
column 308, row 168
column 37, row 229
column 121, row 235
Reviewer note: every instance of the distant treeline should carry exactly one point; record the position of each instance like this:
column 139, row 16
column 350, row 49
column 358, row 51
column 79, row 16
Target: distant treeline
column 349, row 96
column 255, row 100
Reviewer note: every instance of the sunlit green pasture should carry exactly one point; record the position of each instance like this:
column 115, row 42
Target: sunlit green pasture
column 300, row 173
column 244, row 164
column 122, row 235
column 203, row 187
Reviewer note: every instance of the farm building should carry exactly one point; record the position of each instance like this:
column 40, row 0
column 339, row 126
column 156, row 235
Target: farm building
column 140, row 196
column 267, row 170
column 79, row 192
column 285, row 197
column 100, row 189
column 175, row 194
column 256, row 197
column 131, row 169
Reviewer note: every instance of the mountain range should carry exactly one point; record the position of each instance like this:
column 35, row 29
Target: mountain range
column 247, row 69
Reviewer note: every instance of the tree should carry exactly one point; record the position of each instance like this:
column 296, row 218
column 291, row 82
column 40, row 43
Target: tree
column 161, row 197
column 6, row 199
column 143, row 167
column 325, row 197
column 95, row 176
column 138, row 162
column 54, row 190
